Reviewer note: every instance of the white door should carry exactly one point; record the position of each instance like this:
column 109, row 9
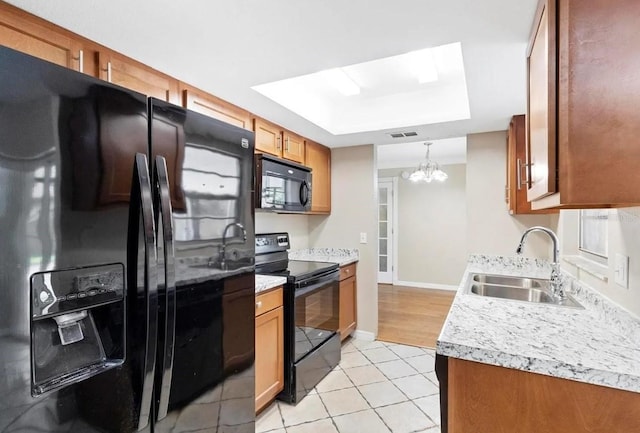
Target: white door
column 385, row 231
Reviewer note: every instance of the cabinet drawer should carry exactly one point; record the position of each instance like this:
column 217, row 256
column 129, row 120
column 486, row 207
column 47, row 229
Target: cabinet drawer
column 268, row 301
column 347, row 271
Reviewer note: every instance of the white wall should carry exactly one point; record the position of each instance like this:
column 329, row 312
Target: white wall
column 623, row 238
column 296, row 225
column 353, row 210
column 432, row 228
column 490, row 228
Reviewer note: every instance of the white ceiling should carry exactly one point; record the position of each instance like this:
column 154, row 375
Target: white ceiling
column 227, row 46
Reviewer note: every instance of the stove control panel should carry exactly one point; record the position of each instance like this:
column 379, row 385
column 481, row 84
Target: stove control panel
column 272, row 242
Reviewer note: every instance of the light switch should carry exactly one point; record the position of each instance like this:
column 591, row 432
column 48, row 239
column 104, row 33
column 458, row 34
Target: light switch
column 363, row 238
column 621, row 272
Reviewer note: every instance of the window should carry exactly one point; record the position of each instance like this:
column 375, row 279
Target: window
column 593, row 232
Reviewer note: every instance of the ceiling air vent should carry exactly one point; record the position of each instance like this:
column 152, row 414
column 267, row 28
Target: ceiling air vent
column 403, row 134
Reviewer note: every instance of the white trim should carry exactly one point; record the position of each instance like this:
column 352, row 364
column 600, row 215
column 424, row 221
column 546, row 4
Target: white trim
column 426, row 285
column 394, row 231
column 392, row 184
column 363, row 335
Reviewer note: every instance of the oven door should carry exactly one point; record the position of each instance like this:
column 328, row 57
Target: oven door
column 316, row 312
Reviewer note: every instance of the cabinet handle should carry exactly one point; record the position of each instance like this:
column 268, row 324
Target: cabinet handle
column 258, row 304
column 80, row 60
column 520, row 166
column 108, row 70
column 278, row 143
column 286, row 145
column 506, row 194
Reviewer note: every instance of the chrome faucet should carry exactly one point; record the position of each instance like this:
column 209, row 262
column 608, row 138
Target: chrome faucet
column 223, row 247
column 556, row 283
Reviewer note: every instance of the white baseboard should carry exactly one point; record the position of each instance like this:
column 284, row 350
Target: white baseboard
column 364, row 335
column 425, row 285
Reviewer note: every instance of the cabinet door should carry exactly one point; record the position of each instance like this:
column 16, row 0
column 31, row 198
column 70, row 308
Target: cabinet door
column 318, row 158
column 21, row 31
column 541, row 110
column 488, row 398
column 128, row 73
column 293, row 147
column 217, row 108
column 348, row 303
column 516, row 165
column 268, row 137
column 269, row 362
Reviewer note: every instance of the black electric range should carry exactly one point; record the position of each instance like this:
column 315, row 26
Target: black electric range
column 311, row 314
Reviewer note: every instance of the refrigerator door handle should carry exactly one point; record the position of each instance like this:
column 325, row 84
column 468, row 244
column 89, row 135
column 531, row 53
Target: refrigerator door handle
column 141, row 208
column 162, row 200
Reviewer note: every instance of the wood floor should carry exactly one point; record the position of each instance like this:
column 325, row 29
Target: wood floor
column 412, row 316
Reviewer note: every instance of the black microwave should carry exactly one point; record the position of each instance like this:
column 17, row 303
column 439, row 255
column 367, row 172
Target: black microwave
column 282, row 185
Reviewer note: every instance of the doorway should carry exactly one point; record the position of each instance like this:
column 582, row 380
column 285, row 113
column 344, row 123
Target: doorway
column 406, row 315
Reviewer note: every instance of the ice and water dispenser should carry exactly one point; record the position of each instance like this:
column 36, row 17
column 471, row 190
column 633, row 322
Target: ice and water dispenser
column 77, row 325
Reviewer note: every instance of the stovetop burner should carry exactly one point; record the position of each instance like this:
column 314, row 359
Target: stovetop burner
column 301, row 270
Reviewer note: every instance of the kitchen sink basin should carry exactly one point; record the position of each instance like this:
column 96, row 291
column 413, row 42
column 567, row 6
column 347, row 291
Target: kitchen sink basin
column 515, row 293
column 517, row 289
column 503, row 280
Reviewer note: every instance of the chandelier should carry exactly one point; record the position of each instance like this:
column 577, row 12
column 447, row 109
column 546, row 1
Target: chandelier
column 428, row 171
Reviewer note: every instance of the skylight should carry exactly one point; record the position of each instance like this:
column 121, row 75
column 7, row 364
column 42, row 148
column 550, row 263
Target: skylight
column 421, row 87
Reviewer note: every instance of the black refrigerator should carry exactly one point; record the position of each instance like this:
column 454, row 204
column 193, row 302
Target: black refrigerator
column 126, row 260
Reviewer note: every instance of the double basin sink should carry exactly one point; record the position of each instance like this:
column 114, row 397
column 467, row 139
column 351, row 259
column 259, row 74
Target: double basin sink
column 517, row 289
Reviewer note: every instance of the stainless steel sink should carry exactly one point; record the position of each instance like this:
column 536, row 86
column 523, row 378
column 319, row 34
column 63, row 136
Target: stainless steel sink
column 504, row 280
column 517, row 289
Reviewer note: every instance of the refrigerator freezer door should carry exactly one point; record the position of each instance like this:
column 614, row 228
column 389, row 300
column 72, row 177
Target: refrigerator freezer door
column 67, row 146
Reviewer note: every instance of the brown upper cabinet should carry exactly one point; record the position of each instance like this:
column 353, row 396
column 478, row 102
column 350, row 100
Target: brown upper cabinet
column 293, row 146
column 272, row 139
column 21, row 32
column 516, row 189
column 123, row 71
column 318, row 158
column 217, row 108
column 583, row 125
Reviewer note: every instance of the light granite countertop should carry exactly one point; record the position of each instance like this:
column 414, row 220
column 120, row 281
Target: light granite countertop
column 599, row 344
column 266, row 282
column 341, row 256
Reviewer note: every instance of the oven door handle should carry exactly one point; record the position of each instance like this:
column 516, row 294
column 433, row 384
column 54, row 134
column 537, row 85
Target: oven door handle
column 321, row 284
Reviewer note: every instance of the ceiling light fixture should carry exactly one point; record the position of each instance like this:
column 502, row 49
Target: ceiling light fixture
column 428, row 171
column 341, row 81
column 422, row 65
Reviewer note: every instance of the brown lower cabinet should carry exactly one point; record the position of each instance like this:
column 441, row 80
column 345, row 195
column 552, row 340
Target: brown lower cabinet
column 348, row 300
column 485, row 398
column 269, row 364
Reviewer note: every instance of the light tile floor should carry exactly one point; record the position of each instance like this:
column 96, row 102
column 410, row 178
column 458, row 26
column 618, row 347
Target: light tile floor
column 377, row 388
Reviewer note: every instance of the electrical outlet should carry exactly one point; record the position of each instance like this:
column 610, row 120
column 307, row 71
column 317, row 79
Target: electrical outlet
column 363, row 238
column 621, row 272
